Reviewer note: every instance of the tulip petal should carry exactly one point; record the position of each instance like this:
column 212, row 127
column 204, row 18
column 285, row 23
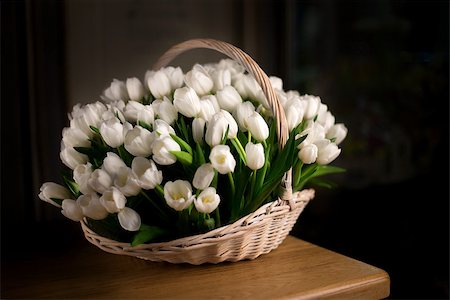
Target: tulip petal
column 129, row 219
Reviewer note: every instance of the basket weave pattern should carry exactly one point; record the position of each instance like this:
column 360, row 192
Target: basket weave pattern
column 257, row 233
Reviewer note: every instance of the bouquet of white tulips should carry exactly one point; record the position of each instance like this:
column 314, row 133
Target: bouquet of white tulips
column 184, row 153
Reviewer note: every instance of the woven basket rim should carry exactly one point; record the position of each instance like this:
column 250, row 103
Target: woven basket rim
column 219, row 233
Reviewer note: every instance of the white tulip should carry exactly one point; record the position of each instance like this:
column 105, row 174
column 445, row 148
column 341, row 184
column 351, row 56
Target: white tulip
column 162, row 128
column 232, row 125
column 127, row 182
column 198, row 129
column 229, row 98
column 115, row 110
column 135, row 89
column 233, row 66
column 112, row 132
column 175, row 76
column 148, row 175
column 203, row 176
column 166, row 110
column 327, row 151
column 258, row 127
column 113, row 200
column 199, row 80
column 81, row 175
column 277, row 83
column 139, row 141
column 208, row 106
column 116, row 91
column 308, row 154
column 159, row 83
column 312, row 104
column 112, row 163
column 187, row 102
column 222, row 160
column 314, row 132
column 75, row 137
column 72, row 210
column 100, row 180
column 221, row 78
column 71, row 157
column 51, row 190
column 132, row 109
column 337, row 132
column 242, row 112
column 207, row 201
column 91, row 206
column 255, row 155
column 162, row 148
column 129, row 219
column 82, row 117
column 294, row 111
column 216, row 129
column 178, row 194
column 326, row 119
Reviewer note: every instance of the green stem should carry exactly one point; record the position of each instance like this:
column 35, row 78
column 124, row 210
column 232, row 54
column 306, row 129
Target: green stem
column 159, row 190
column 241, row 149
column 252, row 185
column 249, row 136
column 297, row 174
column 218, row 217
column 233, row 188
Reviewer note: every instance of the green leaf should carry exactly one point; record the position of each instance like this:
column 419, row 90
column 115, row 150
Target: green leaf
column 94, row 129
column 327, row 169
column 241, row 152
column 57, row 201
column 85, row 150
column 183, row 157
column 323, row 183
column 199, row 155
column 225, row 136
column 72, row 186
column 146, row 234
column 185, row 146
column 125, row 155
column 145, row 125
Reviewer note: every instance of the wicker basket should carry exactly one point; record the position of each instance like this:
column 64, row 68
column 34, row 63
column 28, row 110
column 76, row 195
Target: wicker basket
column 252, row 235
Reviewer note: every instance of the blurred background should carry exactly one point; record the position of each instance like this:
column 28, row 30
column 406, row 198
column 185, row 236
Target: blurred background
column 382, row 67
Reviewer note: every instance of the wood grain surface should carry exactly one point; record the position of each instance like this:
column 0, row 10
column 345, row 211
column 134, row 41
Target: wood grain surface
column 296, row 270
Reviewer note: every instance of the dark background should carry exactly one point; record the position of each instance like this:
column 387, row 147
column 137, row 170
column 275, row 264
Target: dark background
column 382, row 67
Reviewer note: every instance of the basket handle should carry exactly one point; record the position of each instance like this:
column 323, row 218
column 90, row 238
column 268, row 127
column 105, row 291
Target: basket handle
column 247, row 62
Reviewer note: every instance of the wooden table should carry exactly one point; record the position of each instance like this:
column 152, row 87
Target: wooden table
column 297, row 269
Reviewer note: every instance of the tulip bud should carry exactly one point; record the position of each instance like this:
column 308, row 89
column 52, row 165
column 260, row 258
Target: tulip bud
column 312, row 104
column 112, row 164
column 129, row 219
column 165, row 110
column 222, row 160
column 127, row 182
column 208, row 107
column 75, row 137
column 258, row 127
column 91, row 206
column 198, row 129
column 327, row 151
column 186, row 101
column 242, row 112
column 135, row 89
column 112, row 132
column 228, row 98
column 51, row 190
column 178, row 194
column 277, row 83
column 100, row 180
column 71, row 157
column 138, row 141
column 255, row 156
column 159, row 83
column 146, row 172
column 199, row 80
column 162, row 148
column 175, row 76
column 294, row 111
column 207, row 201
column 232, row 125
column 221, row 78
column 314, row 132
column 81, row 175
column 113, row 200
column 216, row 129
column 71, row 210
column 203, row 176
column 338, row 132
column 308, row 154
column 115, row 92
column 163, row 129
